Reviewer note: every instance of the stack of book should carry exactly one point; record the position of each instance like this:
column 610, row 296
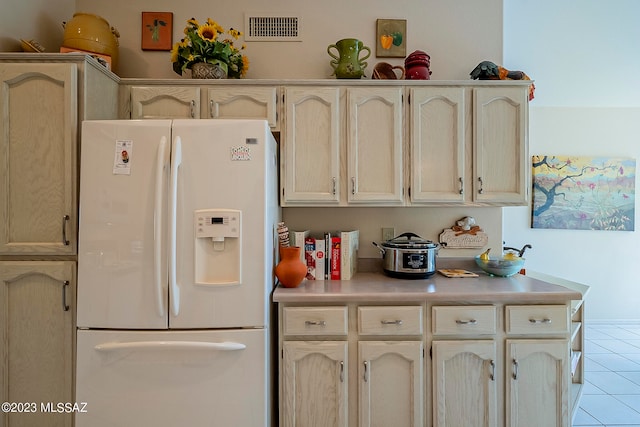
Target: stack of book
column 333, row 256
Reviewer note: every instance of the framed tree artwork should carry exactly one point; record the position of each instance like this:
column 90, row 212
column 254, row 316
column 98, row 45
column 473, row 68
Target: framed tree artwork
column 583, row 193
column 157, row 30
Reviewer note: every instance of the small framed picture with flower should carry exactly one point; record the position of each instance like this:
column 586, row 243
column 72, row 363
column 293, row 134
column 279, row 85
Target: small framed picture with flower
column 157, row 30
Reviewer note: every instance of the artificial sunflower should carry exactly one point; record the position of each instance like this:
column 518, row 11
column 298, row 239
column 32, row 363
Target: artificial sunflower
column 201, row 44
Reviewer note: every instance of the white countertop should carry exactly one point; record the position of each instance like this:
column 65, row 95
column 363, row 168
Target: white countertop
column 378, row 287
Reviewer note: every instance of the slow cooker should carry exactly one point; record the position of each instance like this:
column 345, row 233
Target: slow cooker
column 409, row 256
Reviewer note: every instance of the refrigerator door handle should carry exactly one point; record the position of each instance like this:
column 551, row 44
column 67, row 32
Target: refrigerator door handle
column 170, row 345
column 157, row 232
column 174, row 289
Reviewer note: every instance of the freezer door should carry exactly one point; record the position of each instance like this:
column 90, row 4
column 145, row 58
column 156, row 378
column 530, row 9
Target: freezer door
column 169, row 379
column 224, row 168
column 122, row 266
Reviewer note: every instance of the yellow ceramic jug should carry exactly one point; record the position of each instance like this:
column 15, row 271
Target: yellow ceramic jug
column 91, row 33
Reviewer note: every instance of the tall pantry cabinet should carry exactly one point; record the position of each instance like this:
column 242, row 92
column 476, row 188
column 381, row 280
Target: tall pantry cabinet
column 43, row 100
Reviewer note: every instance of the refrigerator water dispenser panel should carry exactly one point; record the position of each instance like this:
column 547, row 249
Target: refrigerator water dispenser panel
column 218, row 246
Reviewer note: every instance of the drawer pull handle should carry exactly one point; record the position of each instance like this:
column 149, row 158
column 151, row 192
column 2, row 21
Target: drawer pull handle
column 341, row 371
column 467, row 322
column 366, row 371
column 540, row 321
column 315, row 323
column 391, row 322
column 492, row 374
column 515, row 369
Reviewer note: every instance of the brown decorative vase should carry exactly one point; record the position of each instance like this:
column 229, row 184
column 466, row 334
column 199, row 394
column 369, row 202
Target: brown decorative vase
column 205, row 70
column 290, row 270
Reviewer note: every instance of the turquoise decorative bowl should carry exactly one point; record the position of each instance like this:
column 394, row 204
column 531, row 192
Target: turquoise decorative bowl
column 500, row 266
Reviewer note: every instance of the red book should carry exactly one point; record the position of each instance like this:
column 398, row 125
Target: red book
column 335, row 257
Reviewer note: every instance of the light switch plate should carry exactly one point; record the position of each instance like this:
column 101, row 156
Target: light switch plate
column 388, row 233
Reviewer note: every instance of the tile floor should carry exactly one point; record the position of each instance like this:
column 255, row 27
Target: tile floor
column 611, row 394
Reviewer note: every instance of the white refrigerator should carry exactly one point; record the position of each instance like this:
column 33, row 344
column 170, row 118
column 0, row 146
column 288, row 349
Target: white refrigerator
column 177, row 246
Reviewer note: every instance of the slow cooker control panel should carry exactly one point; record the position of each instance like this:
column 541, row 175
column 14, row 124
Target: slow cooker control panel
column 414, row 261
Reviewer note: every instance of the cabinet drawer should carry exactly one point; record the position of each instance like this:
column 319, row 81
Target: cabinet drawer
column 464, row 320
column 537, row 319
column 390, row 320
column 314, row 320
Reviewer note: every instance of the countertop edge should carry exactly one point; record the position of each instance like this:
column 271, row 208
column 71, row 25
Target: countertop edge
column 378, row 288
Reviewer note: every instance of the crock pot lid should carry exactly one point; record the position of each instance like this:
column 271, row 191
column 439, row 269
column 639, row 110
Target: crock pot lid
column 408, row 241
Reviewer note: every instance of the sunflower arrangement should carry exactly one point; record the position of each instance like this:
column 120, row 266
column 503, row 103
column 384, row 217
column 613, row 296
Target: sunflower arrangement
column 201, row 44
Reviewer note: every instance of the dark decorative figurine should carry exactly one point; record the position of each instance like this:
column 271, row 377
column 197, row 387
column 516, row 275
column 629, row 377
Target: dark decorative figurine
column 487, row 70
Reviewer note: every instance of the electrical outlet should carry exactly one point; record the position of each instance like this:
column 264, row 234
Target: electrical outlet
column 388, row 233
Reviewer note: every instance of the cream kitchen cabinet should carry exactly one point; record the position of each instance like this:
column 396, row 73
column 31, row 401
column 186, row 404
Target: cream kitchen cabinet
column 243, row 102
column 222, row 100
column 500, row 145
column 465, row 378
column 44, row 98
column 496, row 350
column 165, row 102
column 343, row 146
column 390, row 383
column 314, row 384
column 537, row 365
column 469, row 152
column 310, row 155
column 379, row 382
column 314, row 372
column 438, row 142
column 538, row 383
column 390, row 371
column 464, row 383
column 37, row 339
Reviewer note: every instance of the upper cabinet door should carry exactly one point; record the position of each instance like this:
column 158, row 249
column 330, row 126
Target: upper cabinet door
column 500, row 145
column 165, row 102
column 310, row 151
column 437, row 145
column 243, row 102
column 38, row 159
column 374, row 145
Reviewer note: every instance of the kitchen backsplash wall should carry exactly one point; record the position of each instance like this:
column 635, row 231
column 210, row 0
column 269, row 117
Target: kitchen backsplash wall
column 428, row 223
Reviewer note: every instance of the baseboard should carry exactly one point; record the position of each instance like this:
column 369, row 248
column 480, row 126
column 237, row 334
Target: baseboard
column 613, row 322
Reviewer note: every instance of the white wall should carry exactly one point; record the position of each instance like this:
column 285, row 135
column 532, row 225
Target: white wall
column 33, row 19
column 457, row 34
column 584, row 58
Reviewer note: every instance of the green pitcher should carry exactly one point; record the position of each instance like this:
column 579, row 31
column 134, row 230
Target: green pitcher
column 348, row 65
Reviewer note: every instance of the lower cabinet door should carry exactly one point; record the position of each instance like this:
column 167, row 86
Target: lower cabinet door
column 537, row 382
column 314, row 384
column 37, row 305
column 391, row 386
column 464, row 383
